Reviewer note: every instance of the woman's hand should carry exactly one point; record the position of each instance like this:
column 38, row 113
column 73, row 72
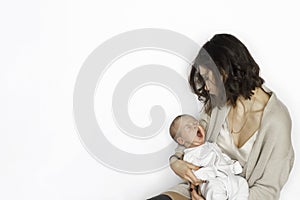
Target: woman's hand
column 194, row 194
column 184, row 170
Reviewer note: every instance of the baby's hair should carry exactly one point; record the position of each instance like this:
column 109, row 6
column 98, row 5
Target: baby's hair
column 173, row 130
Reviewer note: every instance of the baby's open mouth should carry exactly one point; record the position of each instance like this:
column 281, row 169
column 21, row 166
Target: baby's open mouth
column 199, row 134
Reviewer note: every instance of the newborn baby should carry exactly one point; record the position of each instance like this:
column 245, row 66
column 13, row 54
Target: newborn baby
column 217, row 169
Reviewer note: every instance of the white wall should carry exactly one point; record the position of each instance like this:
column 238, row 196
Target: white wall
column 43, row 45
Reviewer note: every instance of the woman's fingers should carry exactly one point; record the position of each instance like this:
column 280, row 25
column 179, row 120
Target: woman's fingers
column 194, row 194
column 184, row 170
column 188, row 178
column 191, row 166
column 192, row 178
column 180, row 168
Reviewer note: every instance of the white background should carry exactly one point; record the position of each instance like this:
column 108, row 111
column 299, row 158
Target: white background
column 43, row 45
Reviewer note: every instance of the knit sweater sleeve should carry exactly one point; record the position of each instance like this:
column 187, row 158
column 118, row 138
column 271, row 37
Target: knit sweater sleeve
column 276, row 157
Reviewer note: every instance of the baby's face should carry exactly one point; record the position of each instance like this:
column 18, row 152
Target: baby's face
column 191, row 133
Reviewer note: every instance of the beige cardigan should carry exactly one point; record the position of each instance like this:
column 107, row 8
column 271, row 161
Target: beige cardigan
column 272, row 157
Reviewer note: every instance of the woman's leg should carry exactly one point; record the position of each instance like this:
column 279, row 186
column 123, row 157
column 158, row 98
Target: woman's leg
column 169, row 196
column 161, row 197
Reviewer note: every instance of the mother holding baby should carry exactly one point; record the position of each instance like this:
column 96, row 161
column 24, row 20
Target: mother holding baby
column 242, row 116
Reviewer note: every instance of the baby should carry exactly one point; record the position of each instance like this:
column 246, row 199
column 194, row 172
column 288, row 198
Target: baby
column 217, row 169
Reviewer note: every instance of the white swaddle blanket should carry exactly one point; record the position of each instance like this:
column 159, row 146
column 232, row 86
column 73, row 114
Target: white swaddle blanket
column 219, row 170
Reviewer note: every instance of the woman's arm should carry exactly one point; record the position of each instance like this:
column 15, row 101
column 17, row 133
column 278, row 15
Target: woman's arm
column 275, row 175
column 275, row 156
column 184, row 170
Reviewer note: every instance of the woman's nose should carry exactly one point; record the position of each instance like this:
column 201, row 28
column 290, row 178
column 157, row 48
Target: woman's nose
column 206, row 87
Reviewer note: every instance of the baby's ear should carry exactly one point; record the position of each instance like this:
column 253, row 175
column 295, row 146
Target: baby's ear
column 180, row 140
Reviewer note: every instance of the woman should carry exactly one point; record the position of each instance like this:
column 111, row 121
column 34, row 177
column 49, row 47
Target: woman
column 241, row 115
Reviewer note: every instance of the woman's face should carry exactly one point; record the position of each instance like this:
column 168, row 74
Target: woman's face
column 209, row 79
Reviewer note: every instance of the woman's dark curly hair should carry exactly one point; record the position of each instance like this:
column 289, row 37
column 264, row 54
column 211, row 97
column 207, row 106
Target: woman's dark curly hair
column 238, row 71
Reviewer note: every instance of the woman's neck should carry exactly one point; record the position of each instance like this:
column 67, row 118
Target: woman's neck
column 256, row 103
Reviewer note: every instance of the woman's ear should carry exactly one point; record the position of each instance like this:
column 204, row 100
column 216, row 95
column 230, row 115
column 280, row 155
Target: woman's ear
column 224, row 76
column 180, row 140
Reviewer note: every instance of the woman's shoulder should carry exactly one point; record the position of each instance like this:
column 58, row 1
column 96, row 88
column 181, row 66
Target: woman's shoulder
column 276, row 109
column 276, row 115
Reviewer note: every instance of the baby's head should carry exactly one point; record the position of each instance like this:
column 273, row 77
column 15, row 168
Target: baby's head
column 186, row 130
